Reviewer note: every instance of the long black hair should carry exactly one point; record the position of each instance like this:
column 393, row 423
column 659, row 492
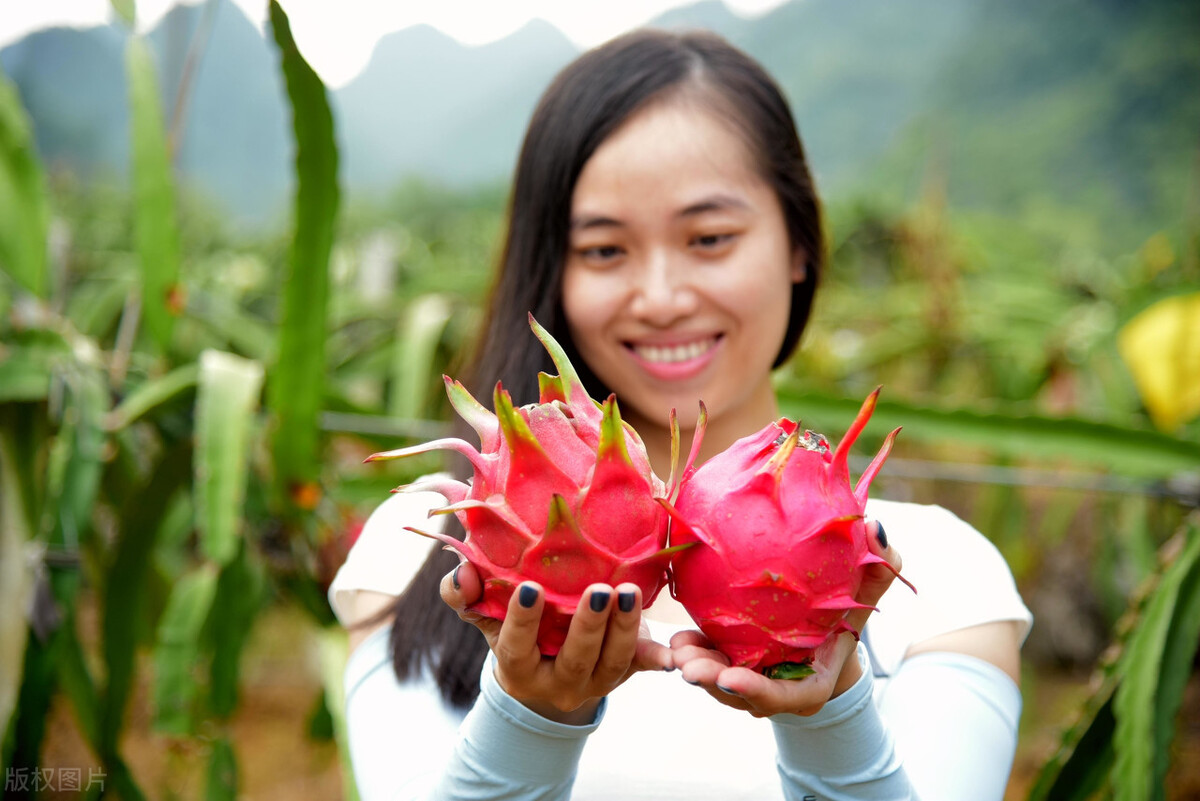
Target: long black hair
column 583, row 106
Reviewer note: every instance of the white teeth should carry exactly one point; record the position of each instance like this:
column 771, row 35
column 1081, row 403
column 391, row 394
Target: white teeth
column 674, row 353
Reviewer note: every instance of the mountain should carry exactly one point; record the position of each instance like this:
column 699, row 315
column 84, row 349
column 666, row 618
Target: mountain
column 427, row 105
column 236, row 145
column 72, row 83
column 1090, row 106
column 1086, row 105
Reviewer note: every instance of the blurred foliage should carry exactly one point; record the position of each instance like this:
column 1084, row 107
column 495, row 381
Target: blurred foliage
column 184, row 412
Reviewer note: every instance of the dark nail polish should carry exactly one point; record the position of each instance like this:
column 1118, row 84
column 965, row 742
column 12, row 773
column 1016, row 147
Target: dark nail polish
column 669, row 669
column 693, row 683
column 599, row 601
column 727, row 691
column 881, row 535
column 625, row 601
column 454, row 577
column 527, row 596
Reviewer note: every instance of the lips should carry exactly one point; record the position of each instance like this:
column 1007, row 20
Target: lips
column 675, row 360
column 674, row 354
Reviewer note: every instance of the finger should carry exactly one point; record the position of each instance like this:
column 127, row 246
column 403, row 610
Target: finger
column 763, row 696
column 880, row 544
column 706, row 673
column 877, row 578
column 460, row 588
column 576, row 661
column 516, row 645
column 690, row 637
column 699, row 665
column 619, row 652
column 836, row 668
column 651, row 655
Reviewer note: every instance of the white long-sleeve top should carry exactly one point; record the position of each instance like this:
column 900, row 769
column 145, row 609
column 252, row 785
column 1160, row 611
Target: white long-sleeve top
column 937, row 726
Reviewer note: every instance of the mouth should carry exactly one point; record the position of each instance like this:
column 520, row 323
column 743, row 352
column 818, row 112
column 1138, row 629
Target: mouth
column 676, row 360
column 674, row 354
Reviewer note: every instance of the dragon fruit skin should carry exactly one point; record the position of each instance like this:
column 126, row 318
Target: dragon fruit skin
column 562, row 494
column 781, row 544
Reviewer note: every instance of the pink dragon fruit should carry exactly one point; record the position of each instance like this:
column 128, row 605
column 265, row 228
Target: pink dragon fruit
column 781, row 544
column 562, row 494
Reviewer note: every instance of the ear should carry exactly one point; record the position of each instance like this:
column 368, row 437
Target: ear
column 799, row 269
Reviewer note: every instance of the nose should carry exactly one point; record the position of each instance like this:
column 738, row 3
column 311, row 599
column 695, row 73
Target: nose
column 663, row 293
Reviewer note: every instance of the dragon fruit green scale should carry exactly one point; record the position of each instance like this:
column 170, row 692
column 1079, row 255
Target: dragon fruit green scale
column 562, row 494
column 780, row 543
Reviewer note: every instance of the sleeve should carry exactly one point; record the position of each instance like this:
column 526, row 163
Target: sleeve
column 842, row 753
column 916, row 745
column 386, row 557
column 955, row 719
column 399, row 733
column 961, row 578
column 506, row 751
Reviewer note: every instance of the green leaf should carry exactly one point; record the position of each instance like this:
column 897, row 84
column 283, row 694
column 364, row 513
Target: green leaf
column 297, row 381
column 226, row 400
column 153, row 394
column 38, row 681
column 240, row 590
column 1090, row 748
column 1140, row 733
column 28, row 361
column 1081, row 769
column 76, row 459
column 154, row 194
column 76, row 681
column 126, row 10
column 16, row 582
column 176, row 653
column 126, row 581
column 95, row 309
column 1126, row 451
column 418, row 335
column 1178, row 656
column 222, row 772
column 22, row 196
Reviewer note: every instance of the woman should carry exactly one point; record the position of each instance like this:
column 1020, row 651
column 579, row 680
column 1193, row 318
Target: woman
column 664, row 227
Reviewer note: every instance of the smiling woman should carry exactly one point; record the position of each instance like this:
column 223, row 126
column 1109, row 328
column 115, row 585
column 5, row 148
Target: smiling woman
column 665, row 229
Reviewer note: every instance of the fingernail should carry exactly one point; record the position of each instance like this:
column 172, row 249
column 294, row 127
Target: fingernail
column 527, row 596
column 454, row 577
column 669, row 669
column 727, row 691
column 881, row 535
column 625, row 600
column 599, row 600
column 693, row 683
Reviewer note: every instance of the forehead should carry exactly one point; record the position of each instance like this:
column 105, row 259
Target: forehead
column 671, row 147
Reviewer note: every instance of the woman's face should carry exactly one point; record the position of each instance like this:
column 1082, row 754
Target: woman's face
column 679, row 271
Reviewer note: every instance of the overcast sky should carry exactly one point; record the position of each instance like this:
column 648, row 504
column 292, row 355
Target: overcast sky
column 337, row 36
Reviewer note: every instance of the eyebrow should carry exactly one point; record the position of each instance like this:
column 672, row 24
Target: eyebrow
column 594, row 221
column 718, row 202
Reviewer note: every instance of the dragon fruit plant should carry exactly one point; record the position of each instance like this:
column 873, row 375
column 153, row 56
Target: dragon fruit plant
column 781, row 544
column 562, row 494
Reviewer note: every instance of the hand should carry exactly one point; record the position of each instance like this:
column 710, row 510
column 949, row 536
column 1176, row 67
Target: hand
column 603, row 648
column 836, row 665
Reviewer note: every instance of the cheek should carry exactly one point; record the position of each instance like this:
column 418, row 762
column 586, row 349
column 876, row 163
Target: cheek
column 576, row 303
column 588, row 303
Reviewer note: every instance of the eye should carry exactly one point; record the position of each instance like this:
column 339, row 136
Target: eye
column 600, row 255
column 712, row 242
